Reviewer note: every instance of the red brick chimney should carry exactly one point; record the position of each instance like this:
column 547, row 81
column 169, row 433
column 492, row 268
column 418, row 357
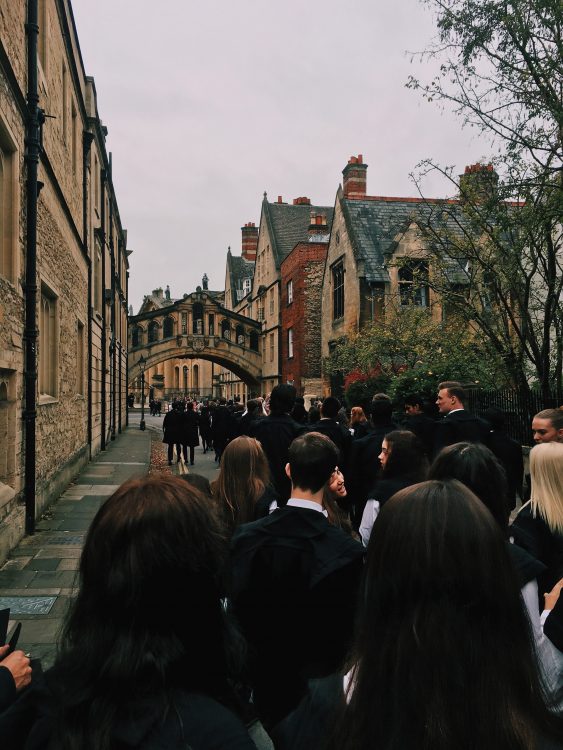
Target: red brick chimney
column 302, row 201
column 355, row 177
column 478, row 183
column 249, row 241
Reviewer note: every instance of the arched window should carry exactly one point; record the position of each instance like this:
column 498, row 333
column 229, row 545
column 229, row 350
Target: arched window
column 253, row 341
column 226, row 329
column 153, row 332
column 176, row 378
column 197, row 313
column 168, row 328
column 239, row 331
column 136, row 336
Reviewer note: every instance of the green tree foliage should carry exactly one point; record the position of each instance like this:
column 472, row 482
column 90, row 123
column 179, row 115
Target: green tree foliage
column 501, row 67
column 410, row 351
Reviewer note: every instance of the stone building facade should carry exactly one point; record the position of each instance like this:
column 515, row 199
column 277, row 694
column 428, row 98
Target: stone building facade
column 79, row 330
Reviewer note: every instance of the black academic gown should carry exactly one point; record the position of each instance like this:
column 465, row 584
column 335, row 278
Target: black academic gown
column 458, row 427
column 294, row 580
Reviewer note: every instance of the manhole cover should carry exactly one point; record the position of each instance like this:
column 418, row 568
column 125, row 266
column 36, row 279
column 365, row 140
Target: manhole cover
column 27, row 605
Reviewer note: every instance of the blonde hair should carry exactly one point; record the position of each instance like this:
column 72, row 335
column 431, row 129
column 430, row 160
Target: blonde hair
column 546, row 472
column 243, row 478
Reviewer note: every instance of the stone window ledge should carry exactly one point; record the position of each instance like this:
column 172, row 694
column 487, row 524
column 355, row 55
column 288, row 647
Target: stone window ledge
column 45, row 400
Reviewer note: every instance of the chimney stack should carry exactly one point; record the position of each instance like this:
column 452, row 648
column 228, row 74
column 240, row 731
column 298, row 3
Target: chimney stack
column 355, row 177
column 318, row 230
column 478, row 183
column 249, row 241
column 303, row 201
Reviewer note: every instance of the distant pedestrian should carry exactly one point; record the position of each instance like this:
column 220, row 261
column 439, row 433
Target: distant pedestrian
column 189, row 432
column 172, row 427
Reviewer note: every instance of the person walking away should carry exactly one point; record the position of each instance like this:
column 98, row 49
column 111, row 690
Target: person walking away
column 189, row 432
column 171, row 425
column 294, row 583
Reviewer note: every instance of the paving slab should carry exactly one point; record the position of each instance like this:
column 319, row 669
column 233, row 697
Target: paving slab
column 40, row 577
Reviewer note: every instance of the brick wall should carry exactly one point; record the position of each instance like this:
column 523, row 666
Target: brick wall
column 304, row 266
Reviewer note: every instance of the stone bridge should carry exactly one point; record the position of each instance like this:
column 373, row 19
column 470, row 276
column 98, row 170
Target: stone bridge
column 197, row 326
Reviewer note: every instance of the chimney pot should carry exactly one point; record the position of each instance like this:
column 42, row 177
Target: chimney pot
column 355, row 177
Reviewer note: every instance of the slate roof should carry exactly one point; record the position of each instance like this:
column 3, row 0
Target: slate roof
column 374, row 223
column 289, row 225
column 239, row 269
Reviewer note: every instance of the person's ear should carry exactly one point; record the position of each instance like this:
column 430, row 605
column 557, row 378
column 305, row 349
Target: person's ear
column 288, row 471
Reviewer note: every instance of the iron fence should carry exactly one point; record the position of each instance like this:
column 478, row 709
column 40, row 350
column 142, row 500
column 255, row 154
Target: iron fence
column 519, row 407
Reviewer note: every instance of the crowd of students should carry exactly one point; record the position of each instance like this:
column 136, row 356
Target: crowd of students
column 287, row 606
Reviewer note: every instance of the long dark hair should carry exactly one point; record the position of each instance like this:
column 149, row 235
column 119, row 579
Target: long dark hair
column 406, row 459
column 479, row 469
column 443, row 655
column 148, row 616
column 243, row 478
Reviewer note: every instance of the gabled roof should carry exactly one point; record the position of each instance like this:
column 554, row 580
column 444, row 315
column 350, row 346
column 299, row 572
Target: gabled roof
column 373, row 224
column 289, row 225
column 238, row 269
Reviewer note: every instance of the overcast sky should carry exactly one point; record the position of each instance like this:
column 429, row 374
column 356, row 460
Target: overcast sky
column 208, row 105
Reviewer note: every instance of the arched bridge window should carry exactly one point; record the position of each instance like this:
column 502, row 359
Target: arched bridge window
column 253, row 340
column 226, row 329
column 239, row 331
column 198, row 318
column 153, row 332
column 137, row 336
column 168, row 328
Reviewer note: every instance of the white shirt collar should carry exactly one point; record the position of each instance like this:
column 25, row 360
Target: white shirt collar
column 452, row 411
column 308, row 504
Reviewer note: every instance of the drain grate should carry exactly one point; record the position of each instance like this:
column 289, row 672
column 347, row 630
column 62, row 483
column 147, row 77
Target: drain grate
column 27, row 605
column 76, row 539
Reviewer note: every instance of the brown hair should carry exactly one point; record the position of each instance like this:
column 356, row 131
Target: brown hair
column 243, row 477
column 454, row 388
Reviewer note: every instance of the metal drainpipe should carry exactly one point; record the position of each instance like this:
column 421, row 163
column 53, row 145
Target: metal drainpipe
column 87, row 139
column 113, row 347
column 103, row 311
column 127, row 349
column 35, row 119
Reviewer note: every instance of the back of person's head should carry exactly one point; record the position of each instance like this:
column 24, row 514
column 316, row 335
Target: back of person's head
column 380, row 397
column 495, row 417
column 381, row 411
column 198, row 481
column 330, row 407
column 357, row 414
column 555, row 416
column 243, row 476
column 189, row 406
column 312, row 459
column 129, row 633
column 546, row 473
column 414, row 399
column 480, row 470
column 313, row 415
column 254, row 407
column 406, row 456
column 454, row 388
column 441, row 620
column 282, row 399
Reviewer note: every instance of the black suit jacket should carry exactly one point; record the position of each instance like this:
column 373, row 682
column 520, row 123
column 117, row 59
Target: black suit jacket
column 293, row 585
column 364, row 467
column 509, row 453
column 276, row 433
column 460, row 426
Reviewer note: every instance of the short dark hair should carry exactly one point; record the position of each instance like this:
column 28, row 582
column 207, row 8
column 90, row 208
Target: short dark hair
column 414, row 399
column 479, row 469
column 454, row 388
column 555, row 416
column 198, row 481
column 330, row 407
column 495, row 417
column 380, row 397
column 381, row 410
column 282, row 398
column 312, row 459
